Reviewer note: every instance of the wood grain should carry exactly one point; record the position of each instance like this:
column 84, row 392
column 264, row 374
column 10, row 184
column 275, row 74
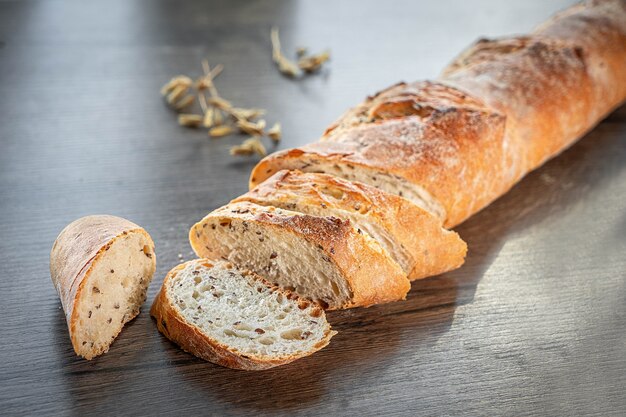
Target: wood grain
column 533, row 324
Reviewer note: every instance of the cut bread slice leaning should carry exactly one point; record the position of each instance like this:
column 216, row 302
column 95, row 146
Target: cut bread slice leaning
column 413, row 237
column 236, row 319
column 101, row 267
column 325, row 259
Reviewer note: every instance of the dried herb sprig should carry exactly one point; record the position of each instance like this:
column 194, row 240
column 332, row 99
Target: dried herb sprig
column 306, row 63
column 206, row 82
column 285, row 66
column 219, row 116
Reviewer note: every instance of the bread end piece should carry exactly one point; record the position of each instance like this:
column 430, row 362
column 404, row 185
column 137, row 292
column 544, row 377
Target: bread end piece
column 101, row 267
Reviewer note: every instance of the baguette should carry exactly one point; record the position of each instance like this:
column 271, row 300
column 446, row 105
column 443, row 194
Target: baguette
column 325, row 259
column 101, row 267
column 236, row 319
column 499, row 110
column 346, row 220
column 412, row 236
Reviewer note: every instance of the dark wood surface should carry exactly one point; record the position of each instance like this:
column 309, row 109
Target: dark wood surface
column 533, row 324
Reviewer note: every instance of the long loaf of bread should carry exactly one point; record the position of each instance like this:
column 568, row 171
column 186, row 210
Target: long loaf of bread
column 499, row 110
column 448, row 147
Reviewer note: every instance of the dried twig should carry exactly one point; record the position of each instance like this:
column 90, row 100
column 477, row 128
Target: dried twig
column 220, row 103
column 202, row 101
column 206, row 82
column 285, row 66
column 306, row 63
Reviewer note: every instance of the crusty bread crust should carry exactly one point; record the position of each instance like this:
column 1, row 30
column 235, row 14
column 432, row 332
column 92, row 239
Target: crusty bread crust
column 426, row 133
column 76, row 250
column 430, row 249
column 371, row 275
column 174, row 326
column 500, row 110
column 554, row 85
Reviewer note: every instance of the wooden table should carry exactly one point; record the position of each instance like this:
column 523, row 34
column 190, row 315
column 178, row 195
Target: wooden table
column 534, row 323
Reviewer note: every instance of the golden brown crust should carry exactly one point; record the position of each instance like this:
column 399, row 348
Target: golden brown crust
column 430, row 249
column 174, row 326
column 514, row 76
column 598, row 28
column 372, row 276
column 451, row 147
column 554, row 85
column 78, row 247
column 499, row 110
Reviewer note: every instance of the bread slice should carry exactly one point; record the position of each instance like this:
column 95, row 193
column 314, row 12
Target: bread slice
column 325, row 259
column 413, row 237
column 235, row 318
column 101, row 267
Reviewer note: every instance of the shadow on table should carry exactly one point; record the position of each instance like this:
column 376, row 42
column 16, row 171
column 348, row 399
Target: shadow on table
column 368, row 340
column 103, row 384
